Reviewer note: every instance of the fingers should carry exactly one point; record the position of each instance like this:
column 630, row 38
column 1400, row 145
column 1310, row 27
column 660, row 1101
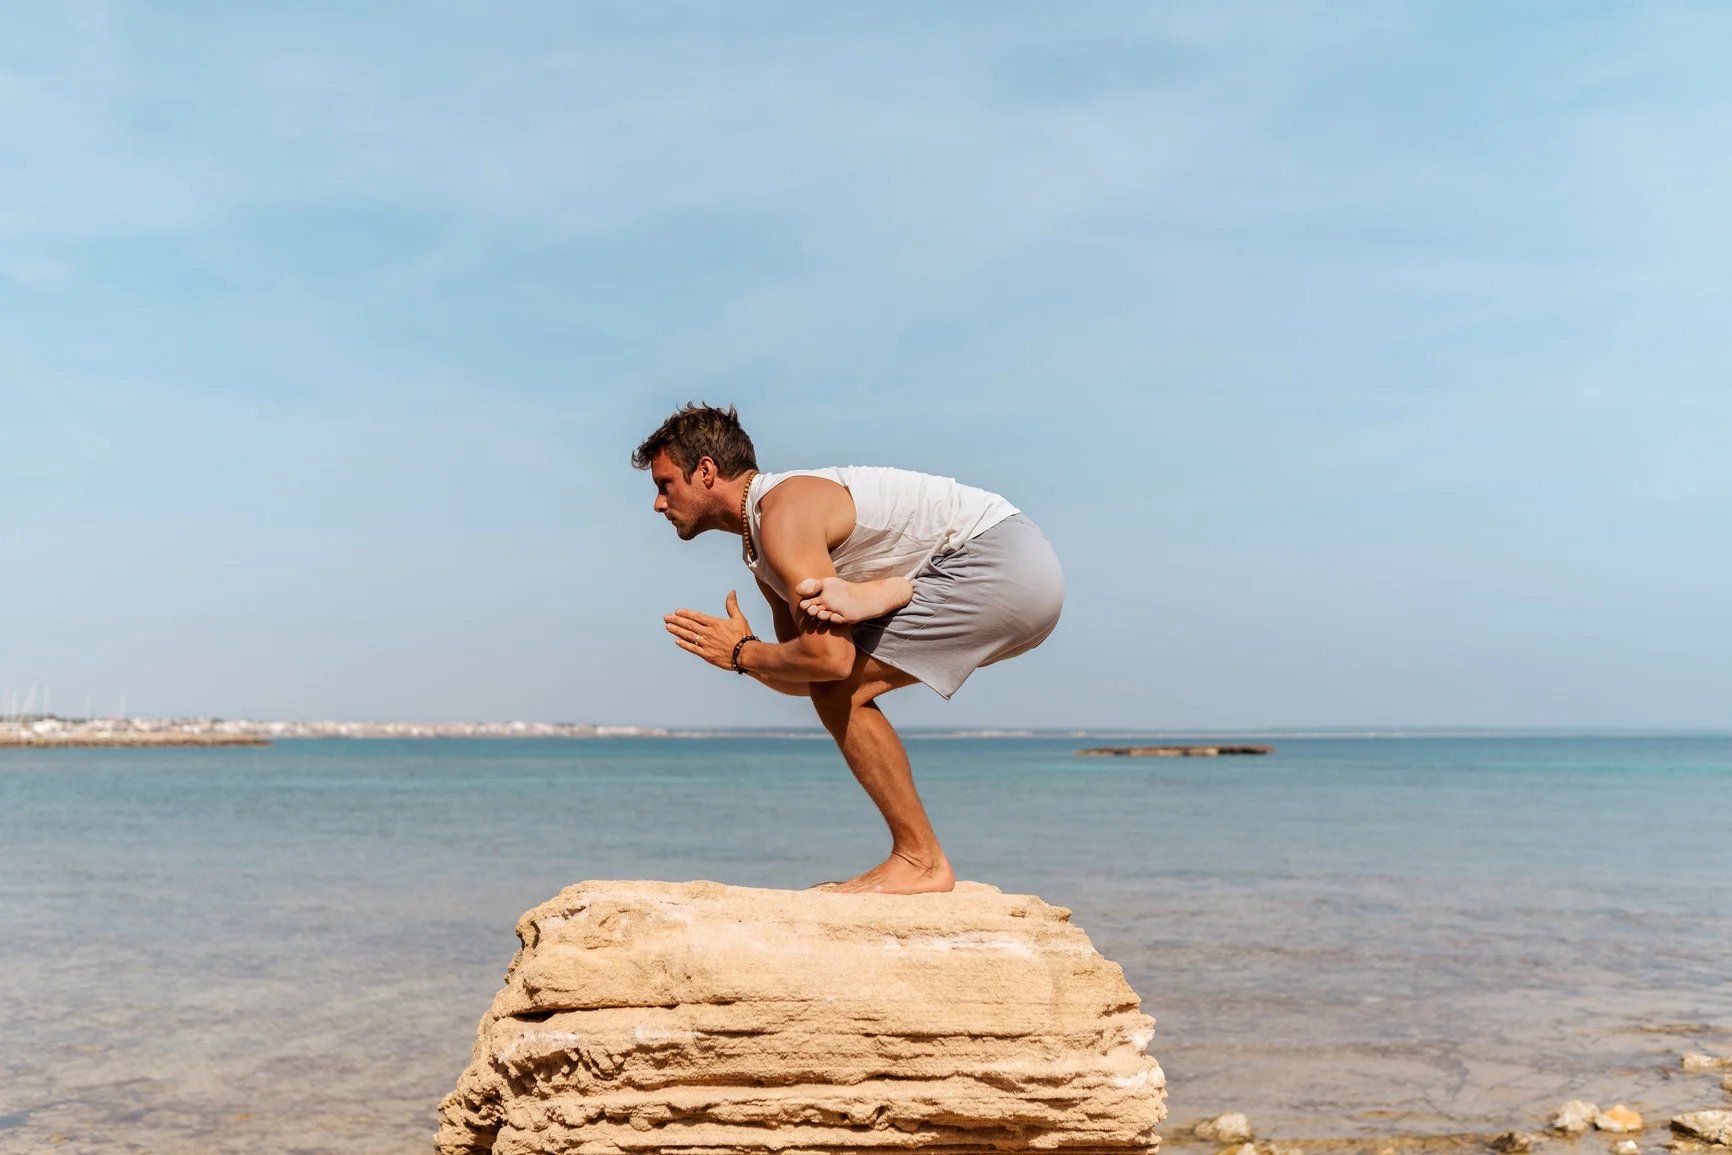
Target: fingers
column 688, row 641
column 733, row 605
column 680, row 628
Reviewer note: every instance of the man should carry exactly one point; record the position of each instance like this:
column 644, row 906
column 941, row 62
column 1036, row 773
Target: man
column 877, row 578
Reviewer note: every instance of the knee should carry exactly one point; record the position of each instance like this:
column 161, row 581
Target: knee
column 832, row 697
column 842, row 696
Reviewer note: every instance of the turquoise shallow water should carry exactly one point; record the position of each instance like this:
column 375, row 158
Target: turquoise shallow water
column 287, row 949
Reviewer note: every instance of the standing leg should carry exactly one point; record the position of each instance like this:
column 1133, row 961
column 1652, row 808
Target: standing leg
column 875, row 754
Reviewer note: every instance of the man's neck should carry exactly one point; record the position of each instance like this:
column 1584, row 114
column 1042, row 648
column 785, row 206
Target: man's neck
column 736, row 506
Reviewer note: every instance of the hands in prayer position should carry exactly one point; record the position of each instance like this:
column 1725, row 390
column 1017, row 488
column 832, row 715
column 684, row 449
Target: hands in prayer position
column 710, row 638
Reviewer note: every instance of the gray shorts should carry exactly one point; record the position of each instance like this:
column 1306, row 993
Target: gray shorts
column 995, row 597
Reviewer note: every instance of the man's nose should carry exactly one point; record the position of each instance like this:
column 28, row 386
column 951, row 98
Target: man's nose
column 661, row 503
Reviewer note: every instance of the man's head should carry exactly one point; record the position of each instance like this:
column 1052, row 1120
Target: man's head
column 693, row 450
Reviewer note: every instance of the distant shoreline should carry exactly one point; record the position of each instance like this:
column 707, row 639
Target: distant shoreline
column 38, row 732
column 51, row 741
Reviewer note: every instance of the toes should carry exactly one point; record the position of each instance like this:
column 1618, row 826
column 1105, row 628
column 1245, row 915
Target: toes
column 808, row 588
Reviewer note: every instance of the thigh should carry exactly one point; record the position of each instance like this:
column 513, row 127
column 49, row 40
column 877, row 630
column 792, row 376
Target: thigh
column 998, row 596
column 874, row 674
column 870, row 677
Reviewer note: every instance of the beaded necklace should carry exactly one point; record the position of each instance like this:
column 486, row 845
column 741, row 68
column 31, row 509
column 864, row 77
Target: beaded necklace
column 746, row 548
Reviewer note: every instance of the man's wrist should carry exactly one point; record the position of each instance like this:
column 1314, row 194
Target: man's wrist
column 738, row 658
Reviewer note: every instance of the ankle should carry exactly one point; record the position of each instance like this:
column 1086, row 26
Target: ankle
column 925, row 859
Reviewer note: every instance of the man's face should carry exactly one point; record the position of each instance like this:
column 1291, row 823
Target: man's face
column 677, row 499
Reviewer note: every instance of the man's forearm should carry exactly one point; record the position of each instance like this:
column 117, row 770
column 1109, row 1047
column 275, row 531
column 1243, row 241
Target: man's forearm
column 796, row 662
column 792, row 689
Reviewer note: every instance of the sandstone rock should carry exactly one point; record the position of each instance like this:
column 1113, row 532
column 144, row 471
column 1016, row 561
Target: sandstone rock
column 1619, row 1120
column 1704, row 1064
column 1708, row 1126
column 1234, row 1128
column 1626, row 1147
column 1574, row 1117
column 703, row 1019
column 1242, row 1149
column 1513, row 1143
column 1726, row 1084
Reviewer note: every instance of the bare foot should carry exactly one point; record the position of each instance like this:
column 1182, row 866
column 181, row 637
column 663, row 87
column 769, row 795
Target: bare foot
column 833, row 599
column 899, row 875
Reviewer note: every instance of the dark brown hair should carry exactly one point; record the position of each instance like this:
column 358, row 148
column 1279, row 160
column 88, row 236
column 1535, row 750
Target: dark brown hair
column 700, row 431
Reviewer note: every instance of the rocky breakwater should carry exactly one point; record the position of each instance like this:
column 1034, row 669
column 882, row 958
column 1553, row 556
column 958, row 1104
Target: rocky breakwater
column 712, row 1020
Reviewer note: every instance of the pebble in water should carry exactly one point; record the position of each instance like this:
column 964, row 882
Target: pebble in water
column 1574, row 1117
column 1232, row 1128
column 1619, row 1120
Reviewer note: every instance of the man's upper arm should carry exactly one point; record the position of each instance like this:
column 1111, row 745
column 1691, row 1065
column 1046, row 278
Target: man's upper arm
column 786, row 629
column 794, row 540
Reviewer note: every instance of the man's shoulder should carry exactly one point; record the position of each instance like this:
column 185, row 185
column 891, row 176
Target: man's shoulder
column 883, row 477
column 801, row 489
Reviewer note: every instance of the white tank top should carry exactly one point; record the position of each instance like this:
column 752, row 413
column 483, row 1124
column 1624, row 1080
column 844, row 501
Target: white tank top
column 901, row 518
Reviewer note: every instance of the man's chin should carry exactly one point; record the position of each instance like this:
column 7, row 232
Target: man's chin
column 686, row 532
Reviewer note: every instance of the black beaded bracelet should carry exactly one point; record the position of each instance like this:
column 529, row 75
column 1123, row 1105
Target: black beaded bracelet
column 738, row 646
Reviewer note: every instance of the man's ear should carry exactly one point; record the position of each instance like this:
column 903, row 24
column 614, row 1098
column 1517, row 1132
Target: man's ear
column 706, row 472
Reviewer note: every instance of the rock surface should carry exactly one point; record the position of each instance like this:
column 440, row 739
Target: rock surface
column 1619, row 1120
column 1574, row 1117
column 1703, row 1064
column 1233, row 1128
column 1708, row 1126
column 1171, row 751
column 698, row 1018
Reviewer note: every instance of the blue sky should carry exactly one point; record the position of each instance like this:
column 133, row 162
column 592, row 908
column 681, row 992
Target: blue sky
column 1367, row 363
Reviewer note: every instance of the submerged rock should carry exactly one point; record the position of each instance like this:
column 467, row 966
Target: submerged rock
column 718, row 1020
column 1626, row 1147
column 1708, row 1126
column 1514, row 1142
column 1574, row 1117
column 1619, row 1120
column 1705, row 1064
column 1233, row 1128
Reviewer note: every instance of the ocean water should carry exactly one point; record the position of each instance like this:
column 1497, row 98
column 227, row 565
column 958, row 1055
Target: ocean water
column 287, row 949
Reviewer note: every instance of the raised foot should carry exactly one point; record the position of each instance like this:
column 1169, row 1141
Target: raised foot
column 898, row 875
column 834, row 599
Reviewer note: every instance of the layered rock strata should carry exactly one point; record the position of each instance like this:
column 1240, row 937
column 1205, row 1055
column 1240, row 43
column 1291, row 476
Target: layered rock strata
column 704, row 1019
